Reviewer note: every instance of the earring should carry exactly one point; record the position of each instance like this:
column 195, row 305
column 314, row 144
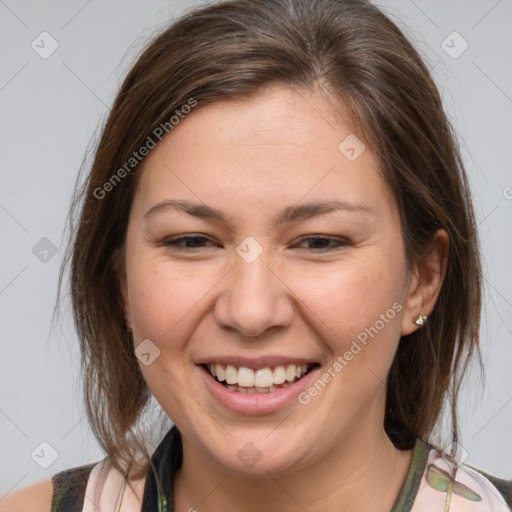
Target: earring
column 420, row 320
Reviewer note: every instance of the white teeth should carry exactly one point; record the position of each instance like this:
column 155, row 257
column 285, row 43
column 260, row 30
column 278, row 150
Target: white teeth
column 231, row 374
column 290, row 372
column 221, row 375
column 279, row 374
column 257, row 390
column 257, row 381
column 263, row 378
column 245, row 377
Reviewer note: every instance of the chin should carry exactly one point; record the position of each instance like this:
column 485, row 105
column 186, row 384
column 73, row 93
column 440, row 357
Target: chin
column 256, row 453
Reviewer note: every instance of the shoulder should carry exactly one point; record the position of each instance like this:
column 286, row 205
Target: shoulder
column 65, row 491
column 36, row 497
column 69, row 488
column 504, row 487
column 464, row 486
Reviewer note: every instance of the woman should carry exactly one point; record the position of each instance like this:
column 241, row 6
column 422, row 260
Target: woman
column 276, row 241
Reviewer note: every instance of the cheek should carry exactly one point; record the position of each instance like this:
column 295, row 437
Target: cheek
column 355, row 307
column 358, row 317
column 355, row 310
column 160, row 294
column 164, row 302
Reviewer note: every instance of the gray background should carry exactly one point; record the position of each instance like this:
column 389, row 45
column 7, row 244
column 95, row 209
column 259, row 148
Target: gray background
column 51, row 107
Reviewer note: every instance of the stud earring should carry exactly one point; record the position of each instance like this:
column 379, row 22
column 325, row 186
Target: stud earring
column 420, row 320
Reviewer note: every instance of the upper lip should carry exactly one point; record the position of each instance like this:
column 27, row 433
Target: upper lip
column 255, row 362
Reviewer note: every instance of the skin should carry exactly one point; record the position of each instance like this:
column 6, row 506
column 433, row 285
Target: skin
column 251, row 158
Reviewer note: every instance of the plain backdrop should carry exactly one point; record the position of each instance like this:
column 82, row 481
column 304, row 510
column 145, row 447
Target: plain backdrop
column 51, row 107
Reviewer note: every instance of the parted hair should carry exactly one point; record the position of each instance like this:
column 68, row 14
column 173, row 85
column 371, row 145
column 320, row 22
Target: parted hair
column 231, row 49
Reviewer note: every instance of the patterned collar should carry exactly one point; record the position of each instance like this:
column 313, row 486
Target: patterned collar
column 414, row 476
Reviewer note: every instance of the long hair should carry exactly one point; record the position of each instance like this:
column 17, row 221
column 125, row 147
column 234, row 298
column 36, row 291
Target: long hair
column 234, row 49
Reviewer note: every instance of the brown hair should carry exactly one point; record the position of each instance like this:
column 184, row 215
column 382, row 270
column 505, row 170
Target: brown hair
column 234, row 49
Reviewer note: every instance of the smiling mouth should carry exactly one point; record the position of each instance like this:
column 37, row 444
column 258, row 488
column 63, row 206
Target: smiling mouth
column 262, row 380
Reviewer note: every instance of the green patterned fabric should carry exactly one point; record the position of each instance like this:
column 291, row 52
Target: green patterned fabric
column 412, row 482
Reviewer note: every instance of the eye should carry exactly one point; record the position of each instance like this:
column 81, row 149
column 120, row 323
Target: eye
column 186, row 242
column 322, row 243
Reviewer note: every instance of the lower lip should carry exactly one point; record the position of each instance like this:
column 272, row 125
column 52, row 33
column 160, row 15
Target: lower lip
column 257, row 403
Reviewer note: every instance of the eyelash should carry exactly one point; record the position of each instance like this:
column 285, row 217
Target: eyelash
column 175, row 242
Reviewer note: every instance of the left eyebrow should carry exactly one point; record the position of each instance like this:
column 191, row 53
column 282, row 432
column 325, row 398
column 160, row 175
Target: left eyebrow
column 310, row 210
column 288, row 214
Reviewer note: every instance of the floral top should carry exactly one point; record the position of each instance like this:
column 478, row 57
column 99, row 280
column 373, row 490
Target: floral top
column 433, row 484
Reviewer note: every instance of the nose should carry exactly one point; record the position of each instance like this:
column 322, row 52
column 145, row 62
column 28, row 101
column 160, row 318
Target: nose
column 253, row 299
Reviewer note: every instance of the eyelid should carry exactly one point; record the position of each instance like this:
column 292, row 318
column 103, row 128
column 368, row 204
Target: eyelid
column 171, row 241
column 341, row 241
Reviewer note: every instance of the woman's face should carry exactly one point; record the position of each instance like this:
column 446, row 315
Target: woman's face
column 247, row 272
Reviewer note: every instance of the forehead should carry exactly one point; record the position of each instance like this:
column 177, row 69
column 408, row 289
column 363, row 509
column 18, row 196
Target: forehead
column 277, row 146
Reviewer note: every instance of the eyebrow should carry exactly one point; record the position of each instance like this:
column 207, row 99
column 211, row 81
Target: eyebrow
column 288, row 214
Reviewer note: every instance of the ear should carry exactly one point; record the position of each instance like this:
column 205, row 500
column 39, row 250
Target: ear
column 118, row 262
column 426, row 282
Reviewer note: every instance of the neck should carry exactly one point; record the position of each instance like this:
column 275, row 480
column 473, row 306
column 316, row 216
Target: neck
column 364, row 472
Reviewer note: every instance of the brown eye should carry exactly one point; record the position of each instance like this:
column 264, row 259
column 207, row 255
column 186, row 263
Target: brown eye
column 186, row 242
column 321, row 243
